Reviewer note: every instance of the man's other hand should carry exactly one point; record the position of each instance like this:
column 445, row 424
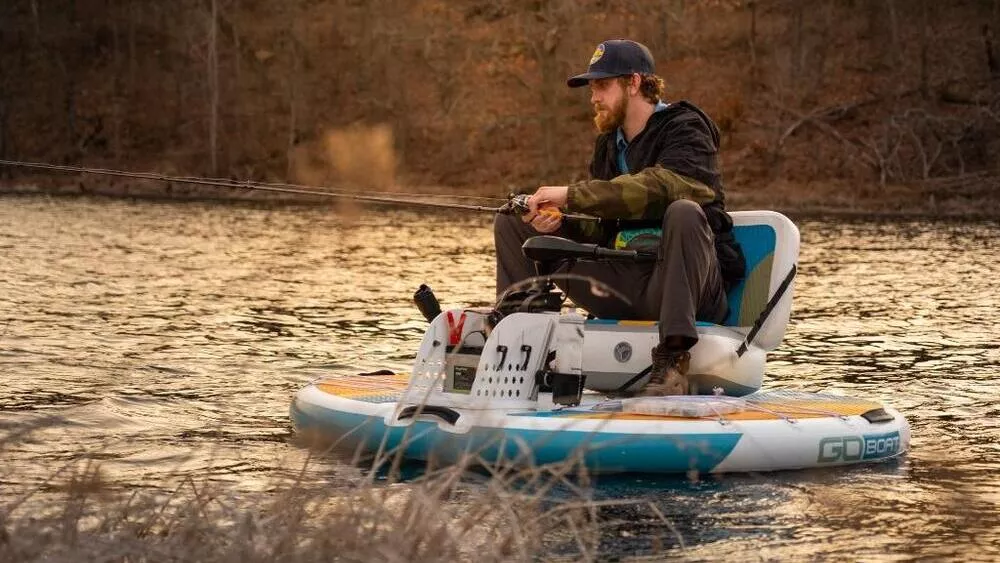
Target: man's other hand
column 548, row 220
column 543, row 208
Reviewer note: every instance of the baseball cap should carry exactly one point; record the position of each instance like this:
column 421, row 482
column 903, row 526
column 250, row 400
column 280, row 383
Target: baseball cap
column 615, row 57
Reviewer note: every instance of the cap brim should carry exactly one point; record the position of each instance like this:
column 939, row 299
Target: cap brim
column 583, row 79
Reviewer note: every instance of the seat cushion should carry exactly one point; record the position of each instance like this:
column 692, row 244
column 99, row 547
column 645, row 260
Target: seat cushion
column 749, row 297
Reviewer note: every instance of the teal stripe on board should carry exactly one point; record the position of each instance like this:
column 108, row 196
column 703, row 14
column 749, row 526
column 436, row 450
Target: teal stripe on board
column 601, row 452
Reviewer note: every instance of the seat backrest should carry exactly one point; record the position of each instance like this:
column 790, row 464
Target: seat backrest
column 770, row 243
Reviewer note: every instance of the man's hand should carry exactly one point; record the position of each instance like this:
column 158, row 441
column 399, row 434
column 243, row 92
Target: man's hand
column 543, row 208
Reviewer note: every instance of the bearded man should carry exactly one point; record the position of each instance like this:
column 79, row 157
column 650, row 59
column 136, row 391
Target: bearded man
column 655, row 182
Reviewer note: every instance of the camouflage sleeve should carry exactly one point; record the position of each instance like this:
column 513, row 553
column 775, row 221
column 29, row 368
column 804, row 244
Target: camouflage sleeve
column 644, row 195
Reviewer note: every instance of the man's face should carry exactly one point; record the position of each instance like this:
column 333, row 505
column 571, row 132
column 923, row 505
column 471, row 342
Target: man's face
column 610, row 101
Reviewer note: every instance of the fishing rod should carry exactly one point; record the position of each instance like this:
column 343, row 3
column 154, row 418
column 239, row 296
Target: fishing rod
column 514, row 204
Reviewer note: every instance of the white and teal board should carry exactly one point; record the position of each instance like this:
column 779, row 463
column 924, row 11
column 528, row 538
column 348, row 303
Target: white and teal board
column 770, row 431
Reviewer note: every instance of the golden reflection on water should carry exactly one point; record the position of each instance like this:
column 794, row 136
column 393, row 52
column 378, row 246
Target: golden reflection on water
column 169, row 339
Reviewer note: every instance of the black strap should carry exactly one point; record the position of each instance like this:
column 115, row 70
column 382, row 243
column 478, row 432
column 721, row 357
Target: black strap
column 448, row 415
column 635, row 378
column 750, row 336
column 766, row 312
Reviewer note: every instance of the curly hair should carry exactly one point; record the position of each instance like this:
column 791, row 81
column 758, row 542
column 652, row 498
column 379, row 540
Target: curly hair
column 650, row 86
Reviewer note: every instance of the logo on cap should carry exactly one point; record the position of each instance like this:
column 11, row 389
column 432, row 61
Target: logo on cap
column 598, row 53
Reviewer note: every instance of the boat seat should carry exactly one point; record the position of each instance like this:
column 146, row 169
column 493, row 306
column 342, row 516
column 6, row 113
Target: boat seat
column 770, row 243
column 725, row 356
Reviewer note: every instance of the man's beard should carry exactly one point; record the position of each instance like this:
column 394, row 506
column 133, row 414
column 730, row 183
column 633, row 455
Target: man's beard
column 610, row 119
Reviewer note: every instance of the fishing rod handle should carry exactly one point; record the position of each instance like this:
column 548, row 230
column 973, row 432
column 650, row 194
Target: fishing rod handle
column 518, row 203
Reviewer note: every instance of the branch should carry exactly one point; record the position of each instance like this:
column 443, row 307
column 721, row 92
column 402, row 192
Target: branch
column 822, row 126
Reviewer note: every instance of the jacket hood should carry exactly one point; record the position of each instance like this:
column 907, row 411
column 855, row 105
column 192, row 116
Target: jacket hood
column 684, row 106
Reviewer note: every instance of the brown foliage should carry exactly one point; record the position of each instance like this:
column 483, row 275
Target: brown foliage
column 473, row 94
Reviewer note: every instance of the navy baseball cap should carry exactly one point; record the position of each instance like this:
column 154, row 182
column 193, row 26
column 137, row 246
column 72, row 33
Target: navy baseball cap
column 616, row 57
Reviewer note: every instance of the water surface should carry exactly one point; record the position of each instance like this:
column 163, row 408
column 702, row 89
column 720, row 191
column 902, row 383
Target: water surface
column 169, row 338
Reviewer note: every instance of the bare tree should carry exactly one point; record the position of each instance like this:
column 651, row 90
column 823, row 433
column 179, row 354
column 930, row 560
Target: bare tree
column 925, row 32
column 752, row 40
column 116, row 80
column 56, row 58
column 798, row 48
column 992, row 62
column 890, row 6
column 293, row 89
column 134, row 19
column 212, row 61
column 4, row 100
column 996, row 14
column 545, row 53
column 552, row 32
column 4, row 112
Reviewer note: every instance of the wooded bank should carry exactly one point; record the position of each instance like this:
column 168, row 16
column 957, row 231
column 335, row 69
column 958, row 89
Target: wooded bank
column 834, row 102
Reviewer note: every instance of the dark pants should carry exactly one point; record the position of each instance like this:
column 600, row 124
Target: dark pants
column 684, row 284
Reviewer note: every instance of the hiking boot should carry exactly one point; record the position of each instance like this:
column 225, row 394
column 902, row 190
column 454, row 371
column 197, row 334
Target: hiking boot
column 669, row 373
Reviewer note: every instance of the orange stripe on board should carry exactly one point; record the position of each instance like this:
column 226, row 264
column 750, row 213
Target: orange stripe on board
column 372, row 386
column 357, row 386
column 791, row 409
column 636, row 323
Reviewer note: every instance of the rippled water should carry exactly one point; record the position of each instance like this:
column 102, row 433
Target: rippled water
column 169, row 337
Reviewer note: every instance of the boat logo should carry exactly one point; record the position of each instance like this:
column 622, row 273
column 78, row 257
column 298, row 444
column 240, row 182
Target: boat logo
column 623, row 351
column 855, row 448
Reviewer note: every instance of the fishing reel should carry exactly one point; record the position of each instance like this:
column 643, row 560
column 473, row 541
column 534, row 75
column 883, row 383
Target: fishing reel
column 517, row 204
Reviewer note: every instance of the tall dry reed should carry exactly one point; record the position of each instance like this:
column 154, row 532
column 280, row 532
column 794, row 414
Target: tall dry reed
column 497, row 513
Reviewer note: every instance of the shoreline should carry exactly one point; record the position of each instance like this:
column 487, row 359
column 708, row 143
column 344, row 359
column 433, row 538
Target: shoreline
column 828, row 199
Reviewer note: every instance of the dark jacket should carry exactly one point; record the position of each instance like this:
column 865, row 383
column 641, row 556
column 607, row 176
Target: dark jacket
column 675, row 156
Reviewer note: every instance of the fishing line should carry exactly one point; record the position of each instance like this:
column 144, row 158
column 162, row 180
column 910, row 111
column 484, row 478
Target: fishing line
column 514, row 204
column 228, row 182
column 389, row 198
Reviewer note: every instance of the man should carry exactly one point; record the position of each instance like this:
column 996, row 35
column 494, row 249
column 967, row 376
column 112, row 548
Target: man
column 654, row 165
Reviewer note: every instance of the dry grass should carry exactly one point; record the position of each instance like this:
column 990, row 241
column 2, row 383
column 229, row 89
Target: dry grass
column 446, row 514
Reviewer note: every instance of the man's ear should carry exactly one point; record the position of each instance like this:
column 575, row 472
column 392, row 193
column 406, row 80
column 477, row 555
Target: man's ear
column 634, row 82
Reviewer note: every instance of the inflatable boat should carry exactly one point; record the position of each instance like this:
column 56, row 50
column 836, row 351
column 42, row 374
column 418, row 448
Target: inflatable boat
column 530, row 381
